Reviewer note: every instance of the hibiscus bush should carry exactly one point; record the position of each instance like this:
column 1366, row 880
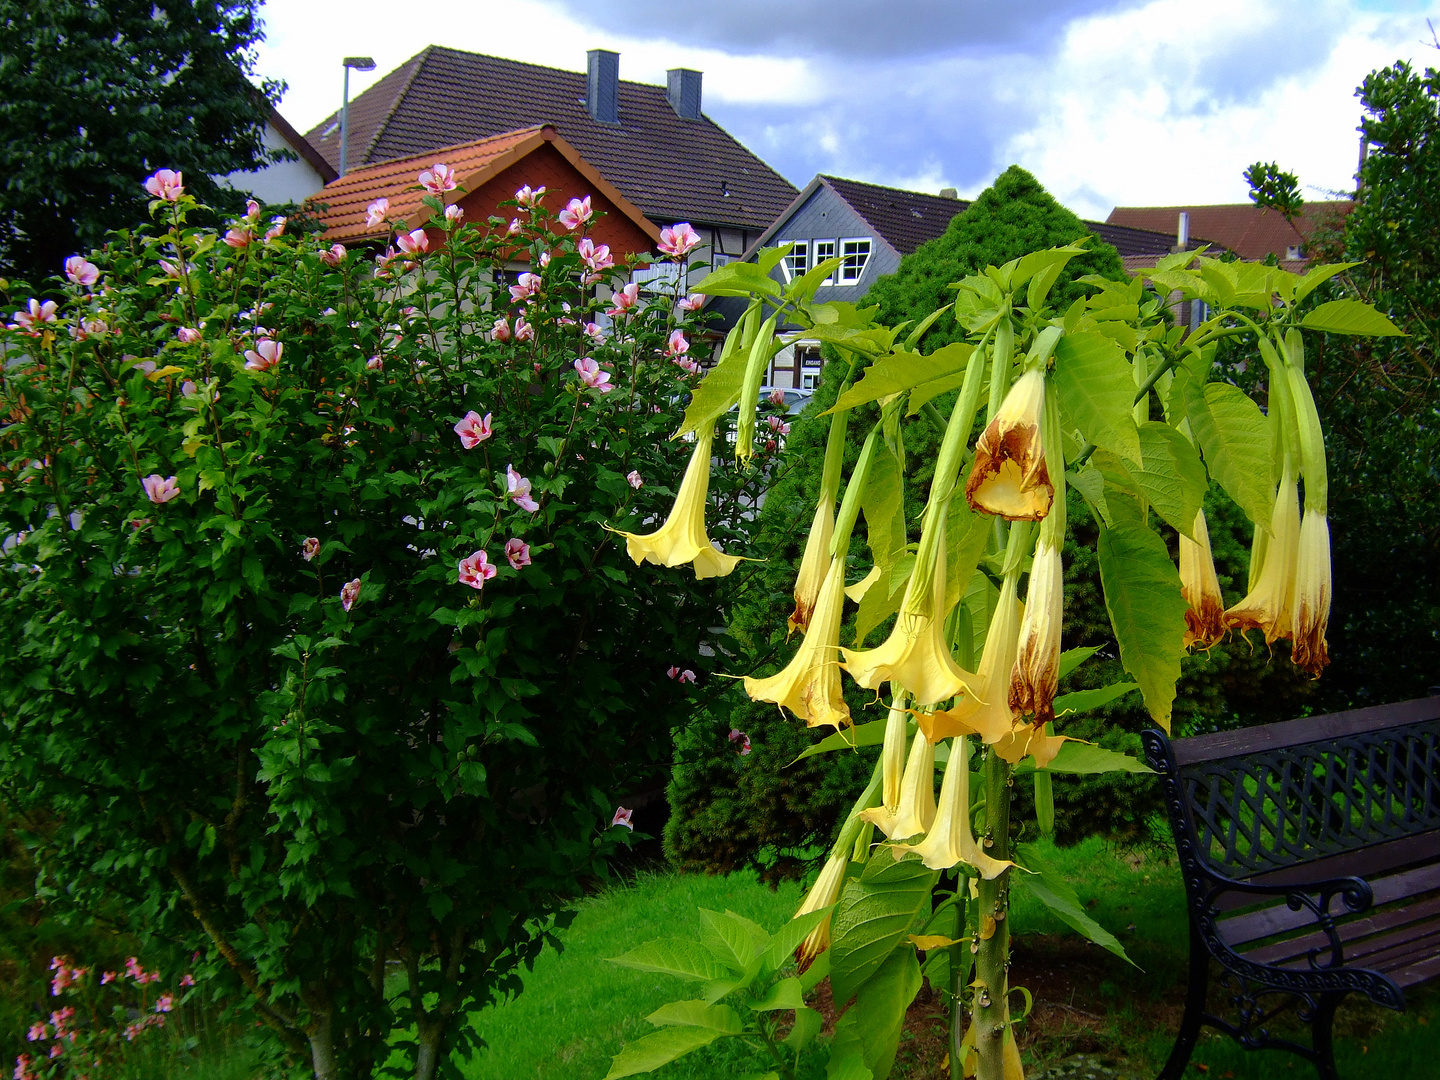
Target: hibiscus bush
column 321, row 655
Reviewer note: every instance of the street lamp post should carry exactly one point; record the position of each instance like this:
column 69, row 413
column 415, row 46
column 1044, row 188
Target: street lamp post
column 359, row 63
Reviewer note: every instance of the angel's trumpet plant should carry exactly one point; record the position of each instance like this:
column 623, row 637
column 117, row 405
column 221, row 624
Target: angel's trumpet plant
column 1312, row 571
column 1035, row 677
column 1269, row 604
column 950, row 839
column 1010, row 476
column 823, row 894
column 816, row 560
column 809, row 685
column 682, row 538
column 1205, row 621
column 914, row 809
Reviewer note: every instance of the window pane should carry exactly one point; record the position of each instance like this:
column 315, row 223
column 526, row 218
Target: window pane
column 825, row 249
column 797, row 262
column 855, row 253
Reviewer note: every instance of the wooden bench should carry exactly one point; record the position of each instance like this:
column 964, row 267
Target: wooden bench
column 1310, row 851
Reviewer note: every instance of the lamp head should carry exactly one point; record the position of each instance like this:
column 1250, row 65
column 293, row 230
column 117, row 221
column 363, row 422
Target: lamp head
column 360, row 63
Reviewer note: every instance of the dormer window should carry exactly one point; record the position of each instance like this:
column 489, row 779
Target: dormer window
column 854, row 254
column 1295, row 252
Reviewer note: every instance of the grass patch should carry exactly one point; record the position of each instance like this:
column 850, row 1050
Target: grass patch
column 577, row 1009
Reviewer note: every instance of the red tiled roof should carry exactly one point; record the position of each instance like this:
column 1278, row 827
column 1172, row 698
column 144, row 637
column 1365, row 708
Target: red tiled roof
column 342, row 205
column 1250, row 231
column 674, row 169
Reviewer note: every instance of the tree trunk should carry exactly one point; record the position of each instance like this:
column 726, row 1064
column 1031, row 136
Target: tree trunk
column 993, row 960
column 428, row 1034
column 322, row 1046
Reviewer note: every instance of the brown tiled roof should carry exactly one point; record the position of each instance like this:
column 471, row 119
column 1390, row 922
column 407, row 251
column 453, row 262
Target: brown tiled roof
column 1250, row 231
column 906, row 219
column 1132, row 242
column 673, row 169
column 342, row 204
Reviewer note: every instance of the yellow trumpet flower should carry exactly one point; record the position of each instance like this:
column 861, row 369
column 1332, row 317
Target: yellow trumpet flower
column 915, row 656
column 1269, row 606
column 823, row 893
column 1009, row 476
column 682, row 538
column 1205, row 621
column 1036, row 674
column 813, row 566
column 914, row 810
column 1312, row 594
column 809, row 686
column 989, row 714
column 950, row 840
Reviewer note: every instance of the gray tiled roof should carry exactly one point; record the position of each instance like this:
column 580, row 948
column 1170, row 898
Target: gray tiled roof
column 906, row 219
column 671, row 168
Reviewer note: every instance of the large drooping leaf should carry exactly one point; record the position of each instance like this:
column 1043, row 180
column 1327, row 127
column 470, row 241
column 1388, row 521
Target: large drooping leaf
column 882, row 504
column 785, row 994
column 871, row 734
column 787, row 939
column 965, row 535
column 1234, row 438
column 1350, row 317
column 878, row 1015
column 1055, row 892
column 1082, row 701
column 1081, row 758
column 1071, row 659
column 1097, row 389
column 1147, row 612
column 900, row 371
column 732, row 939
column 660, row 1048
column 721, row 1018
column 1171, row 479
column 684, row 957
column 873, row 916
column 720, row 390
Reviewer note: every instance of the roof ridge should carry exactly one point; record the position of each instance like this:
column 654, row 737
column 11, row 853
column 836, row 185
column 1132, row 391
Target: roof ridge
column 422, row 154
column 541, row 67
column 886, row 187
column 419, row 60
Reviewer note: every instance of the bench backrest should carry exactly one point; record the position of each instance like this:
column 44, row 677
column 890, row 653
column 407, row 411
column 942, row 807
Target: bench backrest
column 1269, row 798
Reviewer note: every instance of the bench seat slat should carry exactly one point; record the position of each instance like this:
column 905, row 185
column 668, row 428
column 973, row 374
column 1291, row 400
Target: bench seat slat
column 1227, row 744
column 1418, row 972
column 1391, row 921
column 1278, row 918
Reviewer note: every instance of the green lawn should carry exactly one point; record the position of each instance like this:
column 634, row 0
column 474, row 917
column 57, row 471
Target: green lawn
column 577, row 1009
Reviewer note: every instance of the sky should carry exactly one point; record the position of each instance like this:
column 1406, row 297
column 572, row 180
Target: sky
column 1107, row 102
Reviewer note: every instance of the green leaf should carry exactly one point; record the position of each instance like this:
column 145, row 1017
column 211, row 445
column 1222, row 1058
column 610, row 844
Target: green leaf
column 871, row 734
column 819, row 969
column 1234, row 438
column 882, row 504
column 1090, row 482
column 1097, row 389
column 1071, row 659
column 732, row 939
column 966, row 534
column 1055, row 892
column 738, row 279
column 873, row 916
column 785, row 994
column 1083, row 759
column 847, row 1055
column 720, row 390
column 1082, row 701
column 660, row 1048
column 808, row 1023
column 901, row 371
column 1172, row 479
column 1147, row 612
column 721, row 1018
column 789, row 937
column 682, row 957
column 878, row 1015
column 1350, row 317
column 1317, row 276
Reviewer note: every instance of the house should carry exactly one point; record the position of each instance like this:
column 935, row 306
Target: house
column 653, row 143
column 284, row 182
column 870, row 229
column 489, row 170
column 1252, row 232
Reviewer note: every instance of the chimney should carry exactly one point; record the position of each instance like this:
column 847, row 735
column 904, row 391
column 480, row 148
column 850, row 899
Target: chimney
column 949, row 193
column 1182, row 232
column 602, row 85
column 682, row 87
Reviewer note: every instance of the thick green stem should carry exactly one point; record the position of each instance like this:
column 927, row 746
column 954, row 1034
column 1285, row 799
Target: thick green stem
column 993, row 960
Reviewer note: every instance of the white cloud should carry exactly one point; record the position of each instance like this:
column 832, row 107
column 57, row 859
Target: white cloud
column 306, row 40
column 1143, row 107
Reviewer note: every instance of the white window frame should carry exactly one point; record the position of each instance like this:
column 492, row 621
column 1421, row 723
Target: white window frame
column 810, row 380
column 720, row 258
column 844, row 276
column 797, row 262
column 819, row 255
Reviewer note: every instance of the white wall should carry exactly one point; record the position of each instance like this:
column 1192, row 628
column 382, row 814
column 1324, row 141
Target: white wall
column 280, row 182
